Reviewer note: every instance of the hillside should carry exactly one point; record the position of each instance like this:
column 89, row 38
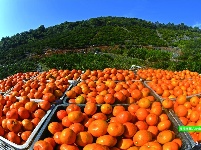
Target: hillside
column 23, row 51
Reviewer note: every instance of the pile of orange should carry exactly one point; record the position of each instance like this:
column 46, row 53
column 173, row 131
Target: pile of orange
column 58, row 74
column 173, row 88
column 109, row 91
column 110, row 74
column 119, row 111
column 138, row 126
column 10, row 81
column 19, row 118
column 188, row 111
column 155, row 74
column 49, row 85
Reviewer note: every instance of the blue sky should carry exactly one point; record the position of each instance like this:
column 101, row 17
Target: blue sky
column 22, row 15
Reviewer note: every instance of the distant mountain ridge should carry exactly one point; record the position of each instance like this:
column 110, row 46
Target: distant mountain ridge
column 96, row 32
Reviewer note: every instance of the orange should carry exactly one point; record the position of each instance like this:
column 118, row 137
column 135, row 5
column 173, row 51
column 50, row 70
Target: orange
column 98, row 128
column 41, row 144
column 124, row 116
column 90, row 108
column 144, row 103
column 153, row 130
column 184, row 120
column 120, row 96
column 136, row 94
column 39, row 113
column 45, row 105
column 66, row 122
column 95, row 146
column 142, row 137
column 159, row 90
column 107, row 140
column 166, row 94
column 118, row 87
column 124, row 143
column 167, row 103
column 156, row 110
column 163, row 117
column 77, row 127
column 75, row 116
column 106, row 108
column 71, row 94
column 77, row 90
column 141, row 125
column 151, row 98
column 72, row 107
column 99, row 99
column 165, row 136
column 194, row 116
column 171, row 146
column 151, row 146
column 156, row 103
column 181, row 111
column 152, row 119
column 164, row 125
column 100, row 115
column 141, row 114
column 67, row 136
column 24, row 135
column 31, row 106
column 100, row 87
column 68, row 147
column 194, row 101
column 132, row 108
column 145, row 92
column 188, row 105
column 83, row 138
column 54, row 127
column 87, row 121
column 115, row 129
column 178, row 141
column 129, row 129
column 181, row 99
column 109, row 99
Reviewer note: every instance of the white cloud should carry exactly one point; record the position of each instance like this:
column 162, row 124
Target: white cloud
column 197, row 25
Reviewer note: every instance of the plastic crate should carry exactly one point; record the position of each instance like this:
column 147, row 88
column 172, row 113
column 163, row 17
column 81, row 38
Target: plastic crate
column 195, row 145
column 7, row 145
column 43, row 133
column 186, row 143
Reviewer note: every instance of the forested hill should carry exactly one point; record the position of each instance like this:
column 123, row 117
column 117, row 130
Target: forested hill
column 101, row 31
